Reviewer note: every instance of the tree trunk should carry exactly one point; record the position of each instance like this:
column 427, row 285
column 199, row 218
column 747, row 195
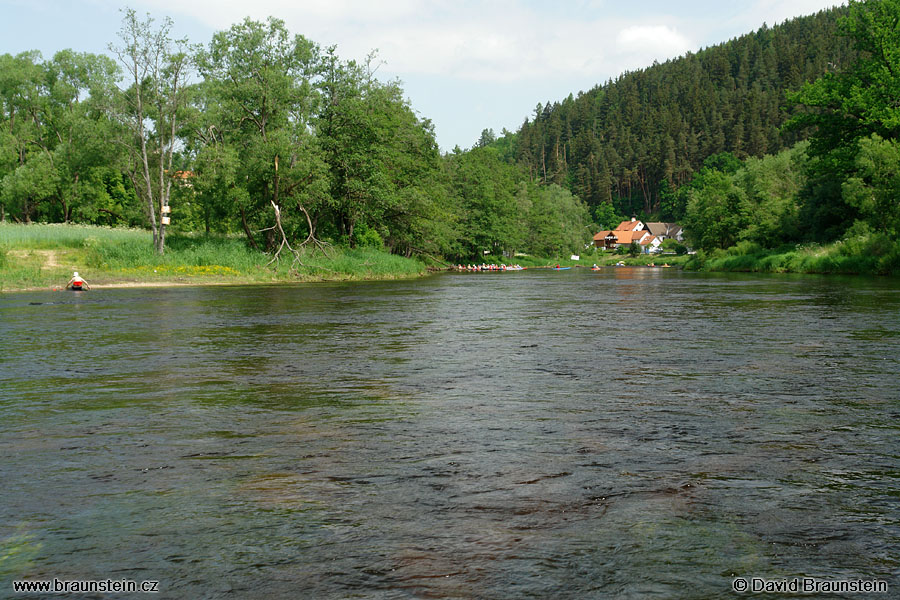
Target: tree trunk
column 161, row 248
column 247, row 230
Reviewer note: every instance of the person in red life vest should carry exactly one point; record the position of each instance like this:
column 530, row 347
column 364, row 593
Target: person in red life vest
column 77, row 283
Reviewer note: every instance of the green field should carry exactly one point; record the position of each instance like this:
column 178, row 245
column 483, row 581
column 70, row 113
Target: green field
column 44, row 256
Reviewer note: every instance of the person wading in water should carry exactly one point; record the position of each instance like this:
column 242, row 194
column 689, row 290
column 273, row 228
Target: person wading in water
column 76, row 284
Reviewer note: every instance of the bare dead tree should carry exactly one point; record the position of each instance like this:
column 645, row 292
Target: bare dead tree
column 284, row 241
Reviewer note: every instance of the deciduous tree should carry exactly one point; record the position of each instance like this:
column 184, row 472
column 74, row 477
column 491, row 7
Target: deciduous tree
column 150, row 109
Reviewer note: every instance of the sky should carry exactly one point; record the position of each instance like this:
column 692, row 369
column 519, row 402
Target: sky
column 464, row 65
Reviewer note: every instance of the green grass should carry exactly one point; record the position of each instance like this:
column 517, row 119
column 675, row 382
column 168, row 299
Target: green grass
column 361, row 263
column 40, row 255
column 57, row 235
column 863, row 255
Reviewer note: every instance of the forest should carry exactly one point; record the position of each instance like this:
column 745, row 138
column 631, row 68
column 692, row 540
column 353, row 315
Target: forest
column 784, row 136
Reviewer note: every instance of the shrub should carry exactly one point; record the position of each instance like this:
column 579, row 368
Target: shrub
column 745, row 248
column 366, row 237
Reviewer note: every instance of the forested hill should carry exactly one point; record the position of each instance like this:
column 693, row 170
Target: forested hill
column 620, row 141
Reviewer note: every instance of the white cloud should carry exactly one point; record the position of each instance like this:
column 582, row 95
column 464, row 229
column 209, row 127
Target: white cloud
column 657, row 40
column 505, row 40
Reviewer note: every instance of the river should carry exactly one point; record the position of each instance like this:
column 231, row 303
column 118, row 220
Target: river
column 627, row 433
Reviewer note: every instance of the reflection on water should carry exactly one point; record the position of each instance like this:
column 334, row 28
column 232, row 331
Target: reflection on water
column 628, row 433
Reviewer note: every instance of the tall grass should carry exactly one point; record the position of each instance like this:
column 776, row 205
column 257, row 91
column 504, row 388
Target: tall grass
column 861, row 255
column 181, row 251
column 58, row 235
column 348, row 264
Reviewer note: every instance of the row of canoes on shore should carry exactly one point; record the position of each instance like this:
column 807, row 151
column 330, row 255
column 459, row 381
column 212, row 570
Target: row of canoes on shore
column 485, row 267
column 500, row 268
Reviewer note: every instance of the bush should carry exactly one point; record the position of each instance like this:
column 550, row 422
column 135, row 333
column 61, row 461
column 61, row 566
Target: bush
column 673, row 245
column 366, row 237
column 745, row 248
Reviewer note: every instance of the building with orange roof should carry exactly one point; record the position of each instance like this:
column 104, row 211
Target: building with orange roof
column 632, row 225
column 605, row 240
column 650, row 244
column 623, row 235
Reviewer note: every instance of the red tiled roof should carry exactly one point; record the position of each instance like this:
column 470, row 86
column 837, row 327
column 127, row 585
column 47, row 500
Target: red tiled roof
column 626, row 237
column 627, row 225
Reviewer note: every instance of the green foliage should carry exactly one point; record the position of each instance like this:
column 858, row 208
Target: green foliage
column 501, row 212
column 851, row 111
column 758, row 202
column 557, row 223
column 30, row 185
column 672, row 203
column 772, row 185
column 382, row 159
column 55, row 134
column 873, row 256
column 860, row 100
column 724, row 162
column 486, row 188
column 257, row 148
column 360, row 263
column 673, row 245
column 487, row 138
column 875, row 189
column 366, row 237
column 606, row 217
column 717, row 211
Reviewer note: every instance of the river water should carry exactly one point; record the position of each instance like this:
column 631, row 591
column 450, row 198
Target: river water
column 628, row 433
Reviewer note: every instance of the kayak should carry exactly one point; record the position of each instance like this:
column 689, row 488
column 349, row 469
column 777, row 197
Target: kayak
column 561, row 268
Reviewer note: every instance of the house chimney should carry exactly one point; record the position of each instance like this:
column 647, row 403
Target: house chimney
column 633, row 219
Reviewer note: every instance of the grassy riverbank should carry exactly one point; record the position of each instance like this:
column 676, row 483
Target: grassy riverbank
column 44, row 256
column 865, row 255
